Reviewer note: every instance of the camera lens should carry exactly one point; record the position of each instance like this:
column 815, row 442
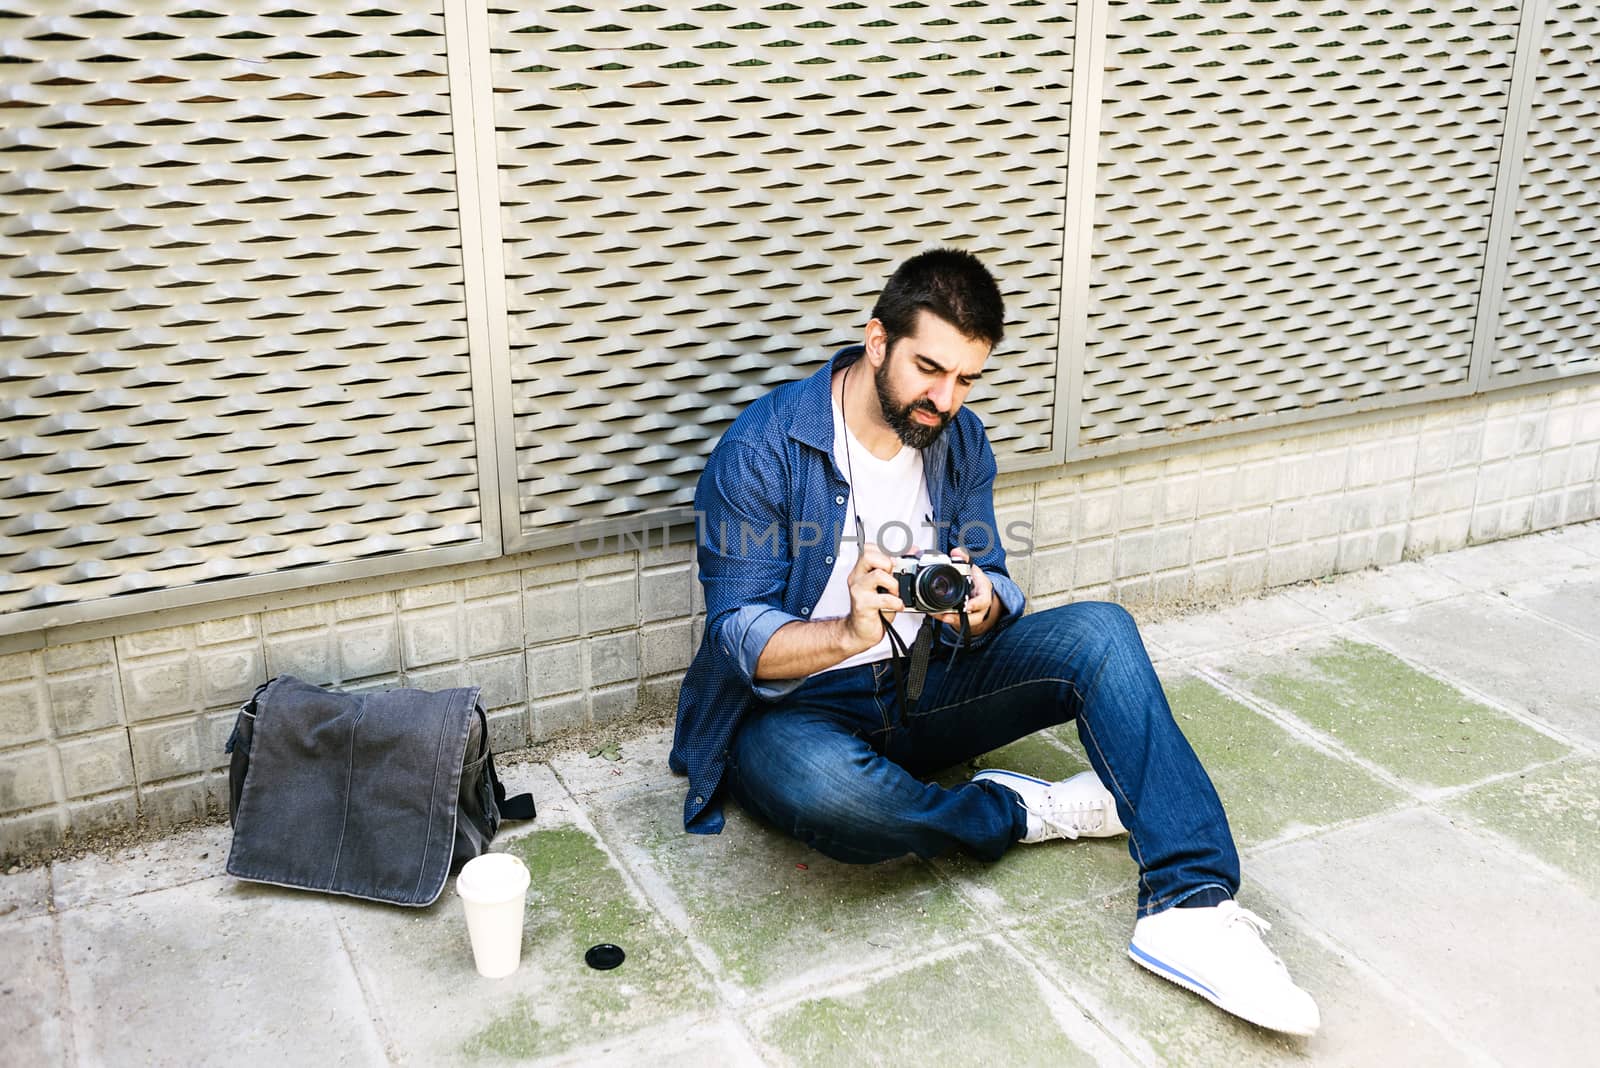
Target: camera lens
column 941, row 588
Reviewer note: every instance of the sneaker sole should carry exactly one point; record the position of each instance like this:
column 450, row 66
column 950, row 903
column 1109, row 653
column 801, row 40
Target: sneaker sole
column 1194, row 986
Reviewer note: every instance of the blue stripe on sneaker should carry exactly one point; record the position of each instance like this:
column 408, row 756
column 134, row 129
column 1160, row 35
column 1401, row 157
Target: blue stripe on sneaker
column 996, row 772
column 1142, row 955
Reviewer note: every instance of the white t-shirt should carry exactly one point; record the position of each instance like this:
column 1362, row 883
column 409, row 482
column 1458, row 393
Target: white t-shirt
column 891, row 497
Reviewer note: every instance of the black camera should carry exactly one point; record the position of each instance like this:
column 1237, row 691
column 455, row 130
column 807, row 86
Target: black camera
column 932, row 582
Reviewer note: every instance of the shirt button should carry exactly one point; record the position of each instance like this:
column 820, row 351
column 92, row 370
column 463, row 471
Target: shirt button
column 829, row 560
column 699, row 800
column 838, row 500
column 805, row 611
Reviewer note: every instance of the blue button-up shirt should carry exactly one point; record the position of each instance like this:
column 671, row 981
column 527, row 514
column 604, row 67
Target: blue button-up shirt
column 771, row 513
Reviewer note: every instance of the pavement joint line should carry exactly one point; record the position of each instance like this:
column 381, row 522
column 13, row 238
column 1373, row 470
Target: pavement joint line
column 1000, row 916
column 69, row 1021
column 775, row 1001
column 590, row 1053
column 1507, row 708
column 1298, row 593
column 1071, row 1015
column 141, row 891
column 1580, row 547
column 1510, row 846
column 1306, row 834
column 375, row 1019
column 1516, row 605
column 1074, row 1019
column 1243, row 643
column 1444, row 795
column 1373, row 977
column 1098, row 1011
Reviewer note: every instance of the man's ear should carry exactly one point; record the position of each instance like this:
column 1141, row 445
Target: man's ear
column 875, row 339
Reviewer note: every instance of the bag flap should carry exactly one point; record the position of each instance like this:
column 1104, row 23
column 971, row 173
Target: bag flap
column 353, row 793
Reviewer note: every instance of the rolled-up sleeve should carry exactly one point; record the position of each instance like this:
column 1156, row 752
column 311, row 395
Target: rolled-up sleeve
column 743, row 547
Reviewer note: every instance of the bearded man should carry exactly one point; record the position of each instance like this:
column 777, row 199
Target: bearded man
column 822, row 702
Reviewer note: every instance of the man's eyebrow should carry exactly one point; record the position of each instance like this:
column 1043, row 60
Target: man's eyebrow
column 942, row 369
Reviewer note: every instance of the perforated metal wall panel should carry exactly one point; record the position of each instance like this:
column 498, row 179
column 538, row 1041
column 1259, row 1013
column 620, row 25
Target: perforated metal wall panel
column 231, row 320
column 700, row 203
column 1550, row 310
column 1291, row 209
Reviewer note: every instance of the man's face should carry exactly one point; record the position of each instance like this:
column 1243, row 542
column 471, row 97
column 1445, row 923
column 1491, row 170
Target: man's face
column 924, row 379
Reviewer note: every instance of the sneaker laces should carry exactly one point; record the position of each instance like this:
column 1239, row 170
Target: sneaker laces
column 1235, row 916
column 1071, row 817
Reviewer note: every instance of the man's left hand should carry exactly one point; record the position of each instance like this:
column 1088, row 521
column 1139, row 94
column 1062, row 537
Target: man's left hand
column 983, row 607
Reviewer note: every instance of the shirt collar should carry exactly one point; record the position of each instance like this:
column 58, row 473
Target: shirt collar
column 813, row 418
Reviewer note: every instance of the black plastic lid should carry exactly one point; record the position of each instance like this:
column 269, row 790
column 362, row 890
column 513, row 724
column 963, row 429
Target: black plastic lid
column 604, row 957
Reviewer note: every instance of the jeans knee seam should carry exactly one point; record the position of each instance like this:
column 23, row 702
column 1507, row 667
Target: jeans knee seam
column 995, row 693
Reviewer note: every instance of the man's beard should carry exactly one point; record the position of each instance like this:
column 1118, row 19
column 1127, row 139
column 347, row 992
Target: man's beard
column 898, row 416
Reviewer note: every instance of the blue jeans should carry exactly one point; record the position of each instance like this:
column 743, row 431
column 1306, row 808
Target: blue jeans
column 835, row 764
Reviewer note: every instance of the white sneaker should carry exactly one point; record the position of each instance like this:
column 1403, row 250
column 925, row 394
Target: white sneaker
column 1217, row 952
column 1079, row 807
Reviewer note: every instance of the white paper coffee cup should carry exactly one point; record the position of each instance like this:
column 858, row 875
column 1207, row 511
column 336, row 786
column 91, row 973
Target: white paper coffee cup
column 493, row 890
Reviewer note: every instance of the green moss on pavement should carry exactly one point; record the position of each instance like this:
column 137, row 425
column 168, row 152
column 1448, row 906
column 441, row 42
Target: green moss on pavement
column 575, row 900
column 1416, row 726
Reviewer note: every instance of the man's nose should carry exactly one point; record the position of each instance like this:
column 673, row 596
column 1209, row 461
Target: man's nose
column 941, row 393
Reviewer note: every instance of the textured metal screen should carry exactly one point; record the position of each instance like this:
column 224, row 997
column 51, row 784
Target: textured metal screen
column 1550, row 307
column 1292, row 205
column 231, row 321
column 700, row 202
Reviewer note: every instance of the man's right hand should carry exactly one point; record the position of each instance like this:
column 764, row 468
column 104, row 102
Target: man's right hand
column 874, row 598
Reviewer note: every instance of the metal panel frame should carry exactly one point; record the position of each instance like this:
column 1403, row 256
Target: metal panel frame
column 1508, row 193
column 1508, row 183
column 478, row 193
column 1077, row 256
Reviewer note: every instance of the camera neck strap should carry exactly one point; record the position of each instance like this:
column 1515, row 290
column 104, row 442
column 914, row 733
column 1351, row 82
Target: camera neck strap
column 910, row 663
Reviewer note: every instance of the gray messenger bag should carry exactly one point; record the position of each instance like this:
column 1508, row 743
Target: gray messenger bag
column 373, row 795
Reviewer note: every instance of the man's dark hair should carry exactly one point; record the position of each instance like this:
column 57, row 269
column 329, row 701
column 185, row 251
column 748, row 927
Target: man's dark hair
column 951, row 284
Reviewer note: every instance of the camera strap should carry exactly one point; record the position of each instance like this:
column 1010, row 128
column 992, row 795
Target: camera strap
column 910, row 663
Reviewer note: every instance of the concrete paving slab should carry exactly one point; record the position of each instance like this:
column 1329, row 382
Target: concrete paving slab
column 1240, row 624
column 1271, row 783
column 1484, row 567
column 1365, row 593
column 158, row 864
column 169, row 977
column 1552, row 812
column 777, row 915
column 1516, row 658
column 1495, row 947
column 25, row 894
column 33, row 1015
column 978, row 1007
column 642, row 763
column 1363, row 1023
column 1584, row 537
column 417, row 964
column 1574, row 601
column 1384, row 710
